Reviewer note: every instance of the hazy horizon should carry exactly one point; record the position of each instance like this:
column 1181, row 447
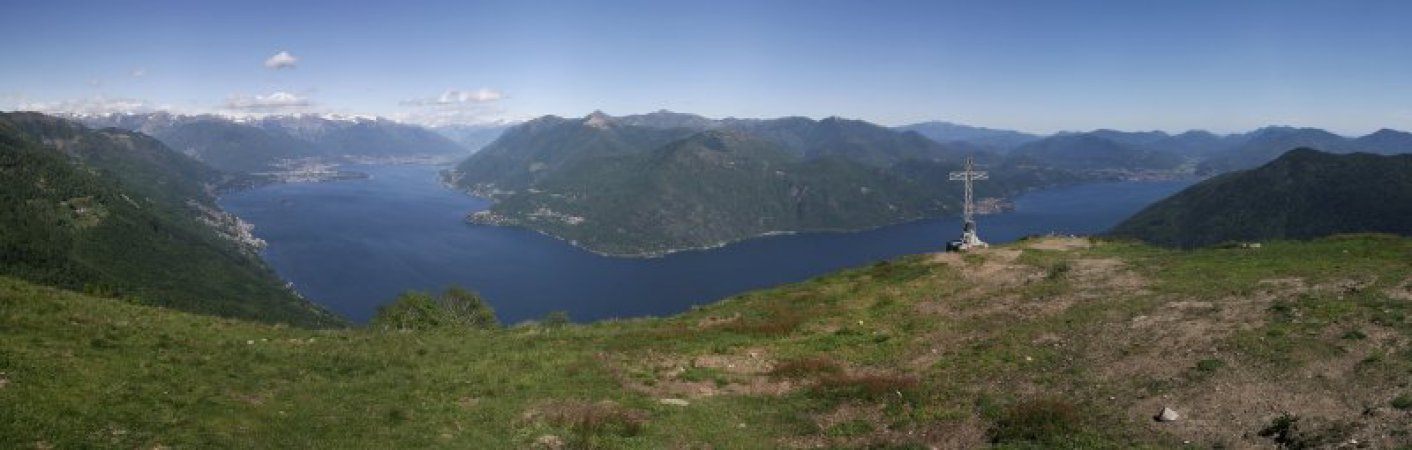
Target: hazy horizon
column 1028, row 66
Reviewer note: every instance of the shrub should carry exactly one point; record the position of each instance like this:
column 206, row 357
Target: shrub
column 556, row 319
column 1402, row 402
column 1059, row 270
column 870, row 386
column 466, row 309
column 410, row 311
column 1292, row 432
column 779, row 321
column 1209, row 365
column 806, row 367
column 1037, row 421
column 589, row 421
column 456, row 308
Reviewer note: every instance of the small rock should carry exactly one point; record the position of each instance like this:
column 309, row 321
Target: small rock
column 674, row 402
column 1168, row 415
column 249, row 342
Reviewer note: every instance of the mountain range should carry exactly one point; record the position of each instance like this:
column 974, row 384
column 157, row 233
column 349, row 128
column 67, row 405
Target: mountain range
column 654, row 183
column 270, row 143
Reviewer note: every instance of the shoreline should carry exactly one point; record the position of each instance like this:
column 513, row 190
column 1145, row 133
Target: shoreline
column 447, row 179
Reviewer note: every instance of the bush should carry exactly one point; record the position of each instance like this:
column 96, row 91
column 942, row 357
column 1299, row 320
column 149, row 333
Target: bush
column 556, row 319
column 410, row 311
column 865, row 386
column 779, row 321
column 1209, row 365
column 591, row 421
column 456, row 308
column 805, row 367
column 1402, row 402
column 1293, row 432
column 466, row 309
column 1037, row 421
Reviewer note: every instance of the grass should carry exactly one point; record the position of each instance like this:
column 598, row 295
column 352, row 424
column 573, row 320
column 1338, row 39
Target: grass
column 898, row 355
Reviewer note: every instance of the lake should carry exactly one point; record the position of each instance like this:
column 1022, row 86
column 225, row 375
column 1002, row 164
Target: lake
column 354, row 245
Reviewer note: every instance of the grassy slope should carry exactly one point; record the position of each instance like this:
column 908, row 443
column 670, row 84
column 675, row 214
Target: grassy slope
column 1048, row 343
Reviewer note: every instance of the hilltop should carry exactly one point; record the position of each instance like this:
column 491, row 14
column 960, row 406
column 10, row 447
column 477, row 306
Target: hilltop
column 1303, row 194
column 1046, row 343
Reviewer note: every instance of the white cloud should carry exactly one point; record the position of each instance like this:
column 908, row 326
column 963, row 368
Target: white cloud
column 456, row 107
column 92, row 106
column 277, row 101
column 281, row 60
column 458, row 97
column 138, row 72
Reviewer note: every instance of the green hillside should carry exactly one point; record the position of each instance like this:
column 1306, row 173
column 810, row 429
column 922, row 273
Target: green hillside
column 117, row 213
column 1050, row 343
column 1302, row 194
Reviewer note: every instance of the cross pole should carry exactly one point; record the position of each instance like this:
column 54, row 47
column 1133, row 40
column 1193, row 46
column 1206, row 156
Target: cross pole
column 968, row 231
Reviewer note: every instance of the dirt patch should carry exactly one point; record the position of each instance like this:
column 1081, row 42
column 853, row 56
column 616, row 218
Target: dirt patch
column 1058, row 243
column 659, row 375
column 1400, row 292
column 749, row 362
column 716, row 321
column 1231, row 410
column 862, row 425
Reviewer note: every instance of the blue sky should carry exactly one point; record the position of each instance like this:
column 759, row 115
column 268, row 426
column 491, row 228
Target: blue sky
column 1039, row 66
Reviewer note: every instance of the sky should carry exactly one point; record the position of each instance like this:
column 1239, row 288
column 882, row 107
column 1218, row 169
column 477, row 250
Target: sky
column 1036, row 66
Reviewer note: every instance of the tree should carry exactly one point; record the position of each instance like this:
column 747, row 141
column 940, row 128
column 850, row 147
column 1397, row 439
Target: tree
column 410, row 311
column 455, row 308
column 466, row 309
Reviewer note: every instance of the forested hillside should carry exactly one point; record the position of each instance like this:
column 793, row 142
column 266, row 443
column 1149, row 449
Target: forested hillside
column 118, row 214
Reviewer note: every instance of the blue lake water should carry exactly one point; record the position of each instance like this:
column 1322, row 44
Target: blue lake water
column 353, row 245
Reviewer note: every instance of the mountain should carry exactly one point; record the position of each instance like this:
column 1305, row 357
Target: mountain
column 644, row 185
column 947, row 132
column 668, row 119
column 1044, row 343
column 715, row 186
column 1196, row 143
column 1132, row 138
column 1384, row 141
column 471, row 137
column 116, row 212
column 267, row 144
column 1301, row 195
column 1267, row 143
column 1093, row 152
column 360, row 136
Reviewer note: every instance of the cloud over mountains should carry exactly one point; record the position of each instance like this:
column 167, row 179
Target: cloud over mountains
column 277, row 101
